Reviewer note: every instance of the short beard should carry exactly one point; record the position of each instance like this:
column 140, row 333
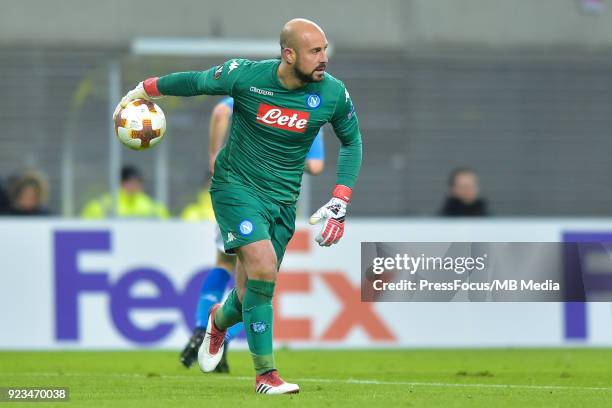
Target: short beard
column 304, row 77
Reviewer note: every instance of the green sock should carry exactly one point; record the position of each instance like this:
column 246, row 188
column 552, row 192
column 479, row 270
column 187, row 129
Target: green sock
column 230, row 313
column 258, row 316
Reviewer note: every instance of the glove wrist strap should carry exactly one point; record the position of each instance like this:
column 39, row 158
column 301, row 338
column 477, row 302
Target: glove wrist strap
column 150, row 86
column 344, row 193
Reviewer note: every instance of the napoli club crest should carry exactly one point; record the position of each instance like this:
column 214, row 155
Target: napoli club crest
column 246, row 227
column 313, row 101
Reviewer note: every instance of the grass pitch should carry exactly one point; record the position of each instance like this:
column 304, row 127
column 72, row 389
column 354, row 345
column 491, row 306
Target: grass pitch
column 389, row 378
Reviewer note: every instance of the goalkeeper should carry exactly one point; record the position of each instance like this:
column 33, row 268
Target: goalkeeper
column 279, row 107
column 218, row 277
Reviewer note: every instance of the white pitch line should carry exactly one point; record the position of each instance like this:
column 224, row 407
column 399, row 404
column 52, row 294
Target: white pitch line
column 325, row 381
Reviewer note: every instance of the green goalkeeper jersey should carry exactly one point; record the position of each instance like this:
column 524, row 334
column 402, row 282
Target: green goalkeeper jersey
column 273, row 127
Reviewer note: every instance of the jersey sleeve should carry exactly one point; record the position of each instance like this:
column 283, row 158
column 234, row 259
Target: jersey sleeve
column 317, row 149
column 346, row 126
column 218, row 80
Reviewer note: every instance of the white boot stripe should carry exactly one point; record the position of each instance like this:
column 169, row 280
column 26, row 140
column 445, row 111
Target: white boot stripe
column 284, row 388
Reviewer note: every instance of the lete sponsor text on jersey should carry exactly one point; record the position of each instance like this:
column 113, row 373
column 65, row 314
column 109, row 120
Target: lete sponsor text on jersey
column 282, row 118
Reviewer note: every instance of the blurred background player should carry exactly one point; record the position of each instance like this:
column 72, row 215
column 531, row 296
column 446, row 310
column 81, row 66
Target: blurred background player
column 132, row 201
column 463, row 195
column 217, row 279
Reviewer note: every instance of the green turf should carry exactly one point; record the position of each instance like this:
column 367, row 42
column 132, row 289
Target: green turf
column 362, row 379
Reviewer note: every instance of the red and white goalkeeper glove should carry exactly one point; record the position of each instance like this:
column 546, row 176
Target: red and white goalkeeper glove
column 332, row 215
column 146, row 90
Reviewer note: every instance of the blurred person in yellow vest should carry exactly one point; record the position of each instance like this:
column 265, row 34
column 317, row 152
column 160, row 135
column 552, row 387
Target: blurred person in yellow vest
column 201, row 209
column 132, row 201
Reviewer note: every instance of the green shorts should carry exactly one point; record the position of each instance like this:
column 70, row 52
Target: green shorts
column 244, row 217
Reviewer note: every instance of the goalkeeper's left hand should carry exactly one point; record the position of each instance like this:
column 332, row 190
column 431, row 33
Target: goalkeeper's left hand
column 332, row 215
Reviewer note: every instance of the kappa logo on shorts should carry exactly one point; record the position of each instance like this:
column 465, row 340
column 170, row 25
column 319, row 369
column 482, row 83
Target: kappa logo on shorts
column 246, row 227
column 259, row 327
column 230, row 237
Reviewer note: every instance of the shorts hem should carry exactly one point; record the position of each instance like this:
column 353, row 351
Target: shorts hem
column 231, row 249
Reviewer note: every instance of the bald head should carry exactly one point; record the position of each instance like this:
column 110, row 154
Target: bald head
column 303, row 51
column 299, row 31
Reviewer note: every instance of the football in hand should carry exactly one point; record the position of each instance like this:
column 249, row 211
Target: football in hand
column 140, row 125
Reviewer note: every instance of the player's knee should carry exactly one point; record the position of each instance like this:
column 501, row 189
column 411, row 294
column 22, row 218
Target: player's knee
column 267, row 273
column 265, row 269
column 259, row 261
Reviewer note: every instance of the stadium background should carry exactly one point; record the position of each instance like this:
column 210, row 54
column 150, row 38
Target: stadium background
column 514, row 90
column 519, row 91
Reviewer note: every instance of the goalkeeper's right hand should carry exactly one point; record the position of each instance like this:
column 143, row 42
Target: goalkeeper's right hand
column 146, row 90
